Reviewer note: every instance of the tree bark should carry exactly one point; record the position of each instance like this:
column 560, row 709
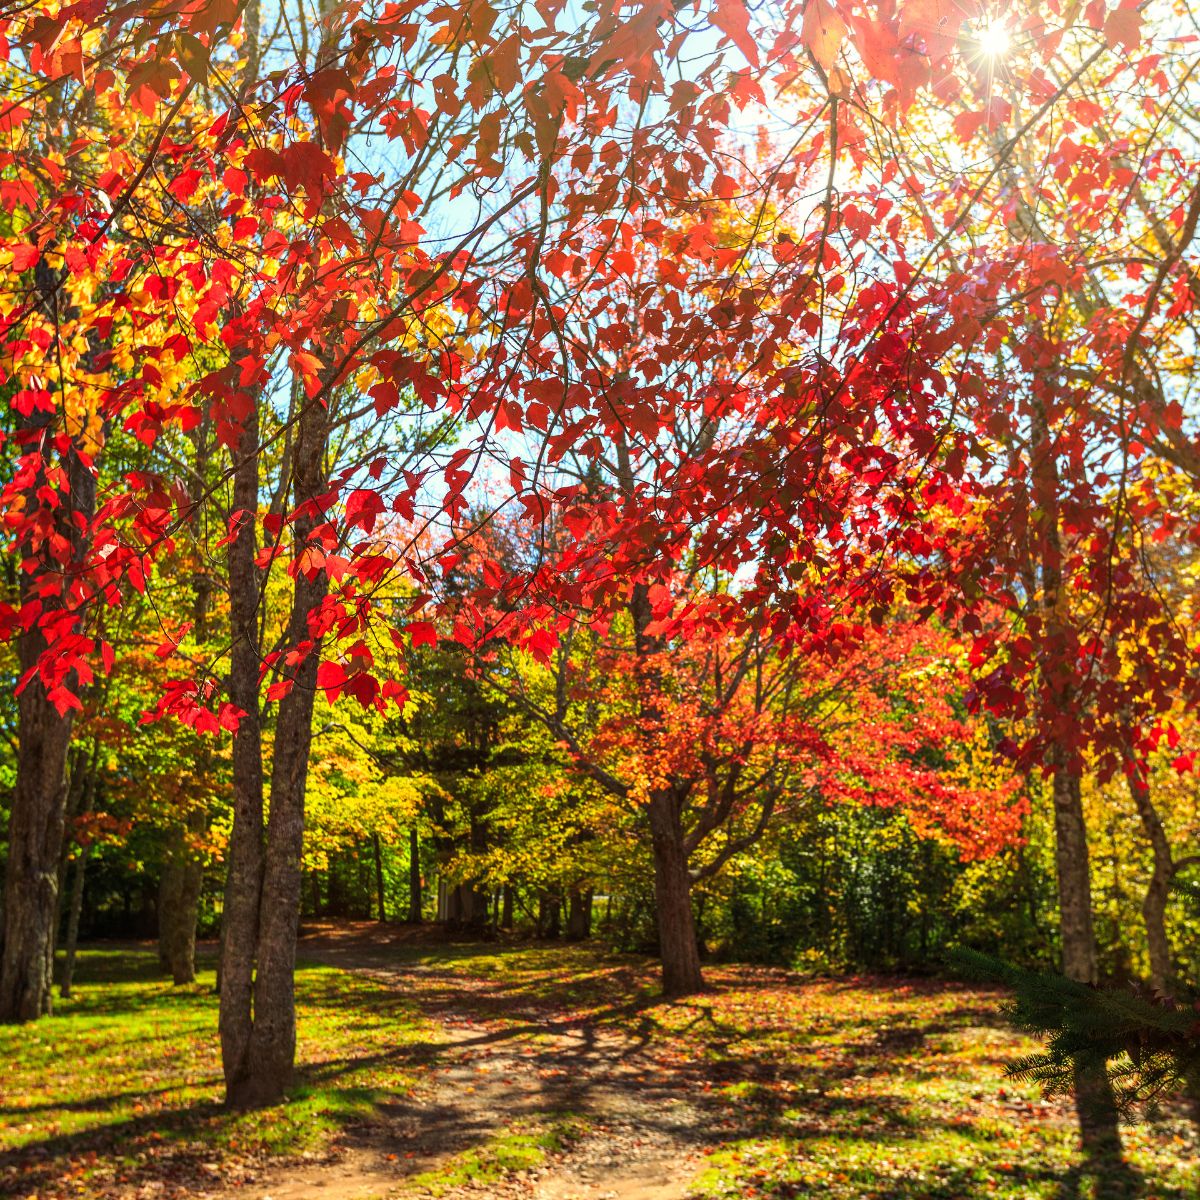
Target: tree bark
column 179, row 900
column 414, row 876
column 506, row 910
column 1074, row 877
column 579, row 915
column 272, row 1049
column 38, row 813
column 549, row 915
column 73, row 915
column 243, row 879
column 1095, row 1103
column 35, row 838
column 379, row 893
column 681, row 974
column 1154, row 903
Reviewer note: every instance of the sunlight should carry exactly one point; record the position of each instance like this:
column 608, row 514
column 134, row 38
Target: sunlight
column 994, row 39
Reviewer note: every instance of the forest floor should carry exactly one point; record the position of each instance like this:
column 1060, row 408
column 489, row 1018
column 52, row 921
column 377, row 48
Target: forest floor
column 467, row 1071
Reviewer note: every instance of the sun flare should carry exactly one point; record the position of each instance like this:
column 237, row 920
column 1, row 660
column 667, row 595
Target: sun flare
column 994, row 39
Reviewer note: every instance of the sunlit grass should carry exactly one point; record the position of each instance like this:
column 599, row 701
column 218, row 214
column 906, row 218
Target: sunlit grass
column 858, row 1089
column 125, row 1078
column 521, row 1147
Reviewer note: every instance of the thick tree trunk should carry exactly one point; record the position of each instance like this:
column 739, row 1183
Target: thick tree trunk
column 73, row 914
column 379, row 892
column 35, row 839
column 414, row 876
column 681, row 974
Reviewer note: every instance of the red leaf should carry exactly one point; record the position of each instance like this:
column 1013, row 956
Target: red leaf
column 331, row 677
column 733, row 20
column 422, row 633
column 1123, row 27
column 823, row 32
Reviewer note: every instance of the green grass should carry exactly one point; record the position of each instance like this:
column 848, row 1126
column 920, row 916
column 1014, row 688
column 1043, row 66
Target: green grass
column 123, row 1082
column 521, row 1147
column 859, row 1089
column 856, row 1089
column 883, row 1090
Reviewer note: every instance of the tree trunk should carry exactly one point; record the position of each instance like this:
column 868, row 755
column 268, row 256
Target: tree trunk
column 414, row 876
column 506, row 911
column 179, row 901
column 273, row 1036
column 549, row 915
column 38, row 813
column 1095, row 1104
column 243, row 879
column 35, row 838
column 1154, row 903
column 579, row 915
column 681, row 974
column 73, row 914
column 1074, row 879
column 379, row 876
column 81, row 777
column 170, row 887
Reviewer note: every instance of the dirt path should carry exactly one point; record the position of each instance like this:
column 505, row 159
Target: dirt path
column 631, row 1131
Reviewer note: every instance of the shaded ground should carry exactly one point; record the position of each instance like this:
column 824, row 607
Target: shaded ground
column 547, row 1071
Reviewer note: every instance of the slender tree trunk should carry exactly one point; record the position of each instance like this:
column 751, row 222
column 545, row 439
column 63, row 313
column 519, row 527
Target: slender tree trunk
column 681, row 974
column 579, row 915
column 1095, row 1104
column 243, row 879
column 1154, row 903
column 379, row 876
column 170, row 887
column 1074, row 876
column 414, row 876
column 506, row 911
column 183, row 878
column 73, row 915
column 273, row 1034
column 179, row 901
column 81, row 775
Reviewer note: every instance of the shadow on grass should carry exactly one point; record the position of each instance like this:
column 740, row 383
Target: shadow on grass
column 823, row 1083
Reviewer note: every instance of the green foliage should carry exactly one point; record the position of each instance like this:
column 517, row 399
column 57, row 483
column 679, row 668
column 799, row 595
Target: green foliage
column 1148, row 1045
column 847, row 886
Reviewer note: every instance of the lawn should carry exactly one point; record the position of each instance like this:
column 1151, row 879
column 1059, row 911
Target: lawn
column 848, row 1089
column 122, row 1085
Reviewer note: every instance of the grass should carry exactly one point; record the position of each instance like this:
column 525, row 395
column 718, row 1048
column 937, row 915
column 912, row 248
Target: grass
column 123, row 1083
column 881, row 1090
column 521, row 1147
column 852, row 1089
column 857, row 1089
